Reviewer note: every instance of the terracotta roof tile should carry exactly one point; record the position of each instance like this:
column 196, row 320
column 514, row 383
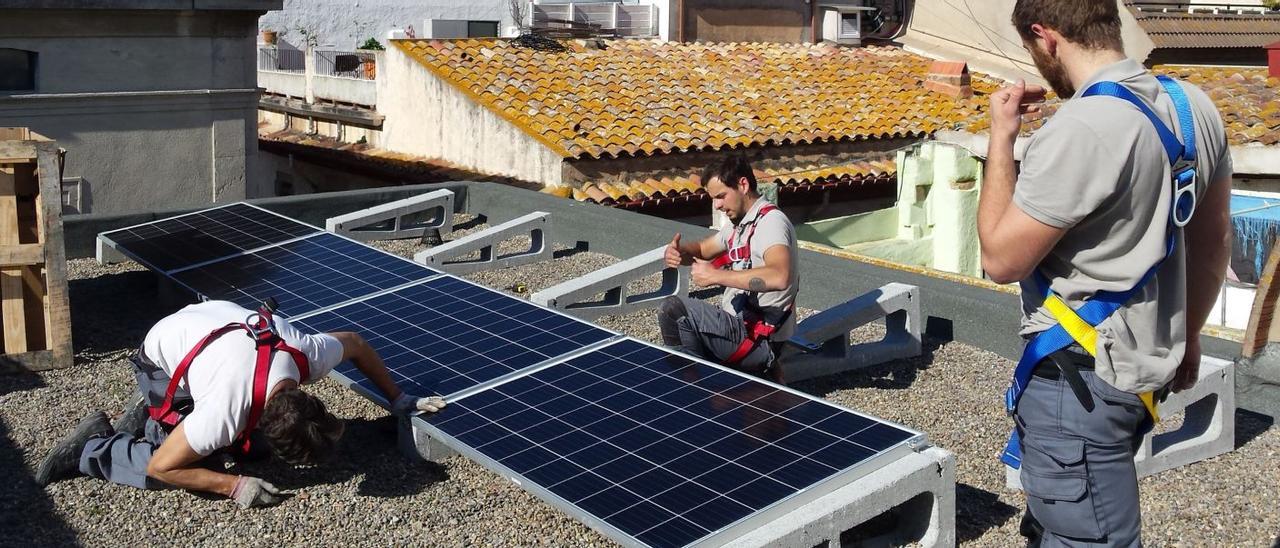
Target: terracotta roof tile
column 639, row 96
column 1176, row 29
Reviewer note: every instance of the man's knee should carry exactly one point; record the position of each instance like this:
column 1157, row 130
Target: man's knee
column 672, row 308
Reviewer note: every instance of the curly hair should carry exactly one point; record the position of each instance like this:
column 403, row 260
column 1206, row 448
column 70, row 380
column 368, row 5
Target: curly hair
column 730, row 170
column 298, row 427
column 1094, row 24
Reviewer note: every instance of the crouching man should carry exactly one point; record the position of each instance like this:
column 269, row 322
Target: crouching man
column 754, row 260
column 207, row 387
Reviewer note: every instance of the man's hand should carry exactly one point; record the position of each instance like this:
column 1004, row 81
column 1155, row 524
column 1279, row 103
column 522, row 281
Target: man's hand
column 1189, row 370
column 704, row 274
column 1009, row 104
column 405, row 404
column 250, row 491
column 674, row 256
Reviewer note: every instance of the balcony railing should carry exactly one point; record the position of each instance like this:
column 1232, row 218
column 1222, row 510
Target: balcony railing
column 346, row 64
column 282, row 60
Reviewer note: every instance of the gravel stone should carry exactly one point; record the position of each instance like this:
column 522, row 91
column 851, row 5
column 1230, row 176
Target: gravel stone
column 369, row 495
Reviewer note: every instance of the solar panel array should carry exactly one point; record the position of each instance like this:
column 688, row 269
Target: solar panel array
column 651, row 447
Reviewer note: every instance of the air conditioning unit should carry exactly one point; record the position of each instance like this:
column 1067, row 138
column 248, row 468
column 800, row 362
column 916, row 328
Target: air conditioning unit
column 843, row 24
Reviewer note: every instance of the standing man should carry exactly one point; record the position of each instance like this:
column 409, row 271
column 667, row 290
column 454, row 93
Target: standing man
column 207, row 388
column 1117, row 273
column 754, row 259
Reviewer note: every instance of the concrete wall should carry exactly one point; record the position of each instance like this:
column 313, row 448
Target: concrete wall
column 345, row 24
column 155, row 107
column 981, row 33
column 429, row 117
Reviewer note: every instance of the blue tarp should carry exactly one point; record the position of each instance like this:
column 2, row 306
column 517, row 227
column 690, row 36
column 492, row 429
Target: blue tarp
column 1256, row 221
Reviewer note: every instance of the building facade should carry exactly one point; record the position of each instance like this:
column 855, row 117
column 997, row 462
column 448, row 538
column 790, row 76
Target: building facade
column 154, row 100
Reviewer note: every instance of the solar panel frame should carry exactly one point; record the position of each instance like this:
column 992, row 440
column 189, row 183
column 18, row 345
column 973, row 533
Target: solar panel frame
column 721, row 536
column 121, row 245
column 301, row 321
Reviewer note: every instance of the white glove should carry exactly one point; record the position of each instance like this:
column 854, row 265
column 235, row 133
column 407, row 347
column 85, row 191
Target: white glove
column 250, row 491
column 405, row 404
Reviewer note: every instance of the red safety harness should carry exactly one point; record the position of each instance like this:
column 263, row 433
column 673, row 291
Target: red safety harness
column 757, row 328
column 260, row 328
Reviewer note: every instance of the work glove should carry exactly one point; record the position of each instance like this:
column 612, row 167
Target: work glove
column 250, row 491
column 405, row 404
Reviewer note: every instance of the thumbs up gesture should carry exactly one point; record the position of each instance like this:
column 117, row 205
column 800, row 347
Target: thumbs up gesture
column 675, row 256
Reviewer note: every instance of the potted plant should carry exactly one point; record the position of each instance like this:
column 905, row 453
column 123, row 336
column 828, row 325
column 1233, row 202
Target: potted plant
column 370, row 61
column 270, row 37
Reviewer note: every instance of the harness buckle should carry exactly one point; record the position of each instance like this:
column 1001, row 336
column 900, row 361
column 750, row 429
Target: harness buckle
column 259, row 328
column 1184, row 192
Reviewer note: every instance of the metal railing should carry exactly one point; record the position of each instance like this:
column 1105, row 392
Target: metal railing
column 631, row 20
column 283, row 60
column 1204, row 7
column 346, row 64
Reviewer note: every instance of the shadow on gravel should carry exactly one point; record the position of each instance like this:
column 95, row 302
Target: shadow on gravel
column 580, row 247
column 978, row 511
column 368, row 448
column 11, row 382
column 1249, row 425
column 23, row 502
column 113, row 312
column 894, row 375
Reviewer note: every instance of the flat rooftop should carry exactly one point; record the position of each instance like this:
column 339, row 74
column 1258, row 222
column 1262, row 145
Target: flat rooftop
column 368, row 494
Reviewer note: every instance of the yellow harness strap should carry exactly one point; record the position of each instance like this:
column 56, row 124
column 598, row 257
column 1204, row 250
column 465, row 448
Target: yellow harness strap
column 1087, row 337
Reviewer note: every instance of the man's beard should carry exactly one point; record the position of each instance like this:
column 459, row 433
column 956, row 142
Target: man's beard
column 1053, row 73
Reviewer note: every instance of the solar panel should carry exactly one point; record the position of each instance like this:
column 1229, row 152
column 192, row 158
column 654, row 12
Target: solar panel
column 303, row 275
column 446, row 335
column 202, row 236
column 663, row 450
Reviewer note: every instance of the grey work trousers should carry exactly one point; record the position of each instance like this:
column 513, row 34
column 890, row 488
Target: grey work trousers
column 123, row 457
column 1077, row 465
column 707, row 331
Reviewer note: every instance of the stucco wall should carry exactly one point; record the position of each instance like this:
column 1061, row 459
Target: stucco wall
column 344, row 24
column 155, row 108
column 429, row 117
column 981, row 33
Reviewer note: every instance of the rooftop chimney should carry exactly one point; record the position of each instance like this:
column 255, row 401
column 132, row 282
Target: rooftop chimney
column 949, row 78
column 1273, row 60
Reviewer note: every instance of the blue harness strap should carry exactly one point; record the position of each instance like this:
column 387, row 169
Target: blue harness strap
column 1104, row 303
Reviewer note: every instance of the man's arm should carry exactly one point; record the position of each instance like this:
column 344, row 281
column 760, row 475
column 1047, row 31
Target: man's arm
column 774, row 275
column 367, row 360
column 1012, row 242
column 174, row 463
column 685, row 253
column 1208, row 244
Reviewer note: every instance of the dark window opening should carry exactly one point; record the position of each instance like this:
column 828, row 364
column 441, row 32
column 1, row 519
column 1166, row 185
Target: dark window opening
column 482, row 29
column 17, row 70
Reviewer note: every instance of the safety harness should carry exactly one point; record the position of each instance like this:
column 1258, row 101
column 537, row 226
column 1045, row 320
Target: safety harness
column 757, row 327
column 261, row 328
column 1079, row 325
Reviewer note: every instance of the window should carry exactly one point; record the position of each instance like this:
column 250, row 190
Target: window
column 17, row 70
column 849, row 25
column 482, row 29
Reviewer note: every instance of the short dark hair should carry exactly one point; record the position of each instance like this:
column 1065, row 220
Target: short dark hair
column 298, row 427
column 1094, row 24
column 729, row 170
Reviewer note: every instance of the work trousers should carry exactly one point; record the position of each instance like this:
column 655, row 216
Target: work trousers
column 696, row 327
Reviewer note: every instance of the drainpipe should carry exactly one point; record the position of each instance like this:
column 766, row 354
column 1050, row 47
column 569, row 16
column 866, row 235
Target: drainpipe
column 680, row 21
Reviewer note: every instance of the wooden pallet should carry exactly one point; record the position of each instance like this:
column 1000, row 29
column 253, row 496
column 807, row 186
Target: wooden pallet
column 1263, row 328
column 36, row 318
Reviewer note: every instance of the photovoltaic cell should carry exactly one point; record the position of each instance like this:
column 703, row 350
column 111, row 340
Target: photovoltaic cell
column 665, row 449
column 186, row 240
column 303, row 275
column 447, row 335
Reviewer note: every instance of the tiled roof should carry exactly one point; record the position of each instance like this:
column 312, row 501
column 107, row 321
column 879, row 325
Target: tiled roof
column 361, row 158
column 1248, row 100
column 640, row 97
column 1208, row 30
column 797, row 184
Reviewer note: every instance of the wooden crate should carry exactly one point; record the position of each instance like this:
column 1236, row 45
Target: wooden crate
column 36, row 326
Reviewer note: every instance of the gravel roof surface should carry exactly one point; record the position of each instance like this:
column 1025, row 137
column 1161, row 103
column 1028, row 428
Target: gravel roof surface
column 369, row 495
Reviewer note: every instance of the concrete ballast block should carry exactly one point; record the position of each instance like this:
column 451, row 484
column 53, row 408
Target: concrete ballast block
column 917, row 495
column 414, row 443
column 613, row 282
column 369, row 224
column 536, row 225
column 107, row 254
column 1208, row 425
column 824, row 337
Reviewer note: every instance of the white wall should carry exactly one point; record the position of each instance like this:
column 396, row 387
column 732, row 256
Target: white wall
column 344, row 24
column 427, row 116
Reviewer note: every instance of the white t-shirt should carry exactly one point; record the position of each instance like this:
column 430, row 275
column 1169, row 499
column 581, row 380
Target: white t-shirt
column 220, row 378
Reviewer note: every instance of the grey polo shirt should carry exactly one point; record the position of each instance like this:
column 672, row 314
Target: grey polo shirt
column 770, row 230
column 1098, row 169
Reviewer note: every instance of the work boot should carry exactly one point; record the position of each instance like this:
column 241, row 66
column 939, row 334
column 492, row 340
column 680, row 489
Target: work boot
column 134, row 417
column 63, row 460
